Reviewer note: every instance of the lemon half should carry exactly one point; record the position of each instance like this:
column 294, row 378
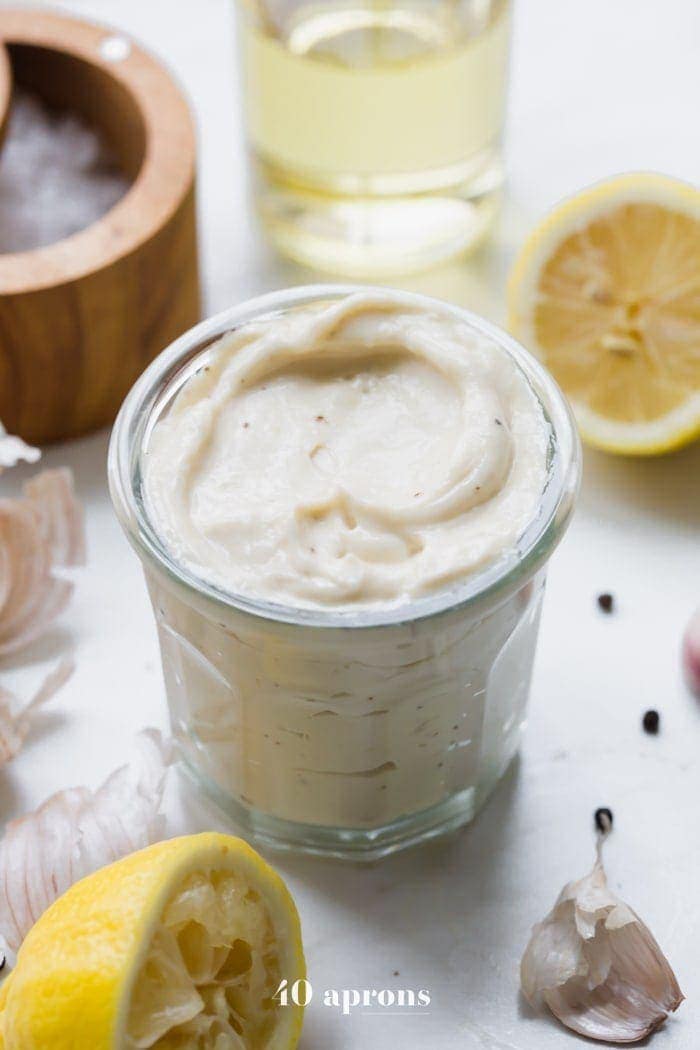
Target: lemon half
column 181, row 946
column 606, row 292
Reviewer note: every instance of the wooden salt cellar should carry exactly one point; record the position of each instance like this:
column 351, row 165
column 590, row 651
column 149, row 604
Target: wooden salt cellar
column 5, row 91
column 80, row 319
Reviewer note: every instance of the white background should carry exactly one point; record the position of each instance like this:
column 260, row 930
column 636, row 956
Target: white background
column 598, row 86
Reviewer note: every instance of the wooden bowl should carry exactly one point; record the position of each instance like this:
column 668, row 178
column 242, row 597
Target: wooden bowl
column 81, row 318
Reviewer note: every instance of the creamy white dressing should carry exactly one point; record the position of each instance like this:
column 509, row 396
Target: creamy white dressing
column 356, row 454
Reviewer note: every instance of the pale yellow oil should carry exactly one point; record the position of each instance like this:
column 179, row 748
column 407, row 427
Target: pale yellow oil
column 376, row 128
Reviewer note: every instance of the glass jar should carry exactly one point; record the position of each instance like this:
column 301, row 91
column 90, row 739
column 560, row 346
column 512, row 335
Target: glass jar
column 375, row 129
column 352, row 733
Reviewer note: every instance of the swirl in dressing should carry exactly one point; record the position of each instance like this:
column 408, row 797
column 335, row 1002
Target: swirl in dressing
column 361, row 453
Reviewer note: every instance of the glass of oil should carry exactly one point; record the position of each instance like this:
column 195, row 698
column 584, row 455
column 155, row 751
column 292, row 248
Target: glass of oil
column 375, row 127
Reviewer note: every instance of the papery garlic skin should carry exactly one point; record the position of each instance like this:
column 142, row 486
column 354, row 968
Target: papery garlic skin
column 691, row 654
column 13, row 449
column 597, row 966
column 40, row 532
column 77, row 831
column 16, row 721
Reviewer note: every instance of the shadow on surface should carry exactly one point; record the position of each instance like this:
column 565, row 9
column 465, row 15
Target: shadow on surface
column 9, row 795
column 660, row 486
column 88, row 461
column 51, row 647
column 430, row 910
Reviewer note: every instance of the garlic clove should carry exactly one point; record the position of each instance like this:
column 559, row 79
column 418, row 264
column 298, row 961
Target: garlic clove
column 635, row 997
column 597, row 966
column 691, row 654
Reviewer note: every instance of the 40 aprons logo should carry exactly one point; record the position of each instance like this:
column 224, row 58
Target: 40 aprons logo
column 346, row 1000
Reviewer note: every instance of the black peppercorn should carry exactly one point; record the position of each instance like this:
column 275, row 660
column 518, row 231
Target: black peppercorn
column 650, row 722
column 606, row 602
column 603, row 818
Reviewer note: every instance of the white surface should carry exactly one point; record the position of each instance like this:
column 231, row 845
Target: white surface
column 597, row 87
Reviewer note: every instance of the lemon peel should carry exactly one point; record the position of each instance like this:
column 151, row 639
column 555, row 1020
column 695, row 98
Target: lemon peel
column 181, row 944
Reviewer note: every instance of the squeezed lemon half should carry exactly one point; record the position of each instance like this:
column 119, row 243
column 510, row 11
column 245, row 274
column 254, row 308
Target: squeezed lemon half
column 606, row 292
column 181, row 946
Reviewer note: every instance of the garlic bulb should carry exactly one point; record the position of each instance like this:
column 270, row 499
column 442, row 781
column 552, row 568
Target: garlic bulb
column 597, row 966
column 691, row 654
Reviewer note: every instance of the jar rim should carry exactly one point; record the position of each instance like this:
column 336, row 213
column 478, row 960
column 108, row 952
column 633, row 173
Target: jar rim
column 496, row 579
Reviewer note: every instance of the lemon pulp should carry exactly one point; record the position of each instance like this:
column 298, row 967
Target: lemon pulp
column 211, row 970
column 607, row 293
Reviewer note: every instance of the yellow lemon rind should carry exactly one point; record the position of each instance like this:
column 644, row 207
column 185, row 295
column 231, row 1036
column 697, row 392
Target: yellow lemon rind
column 71, row 987
column 669, row 432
